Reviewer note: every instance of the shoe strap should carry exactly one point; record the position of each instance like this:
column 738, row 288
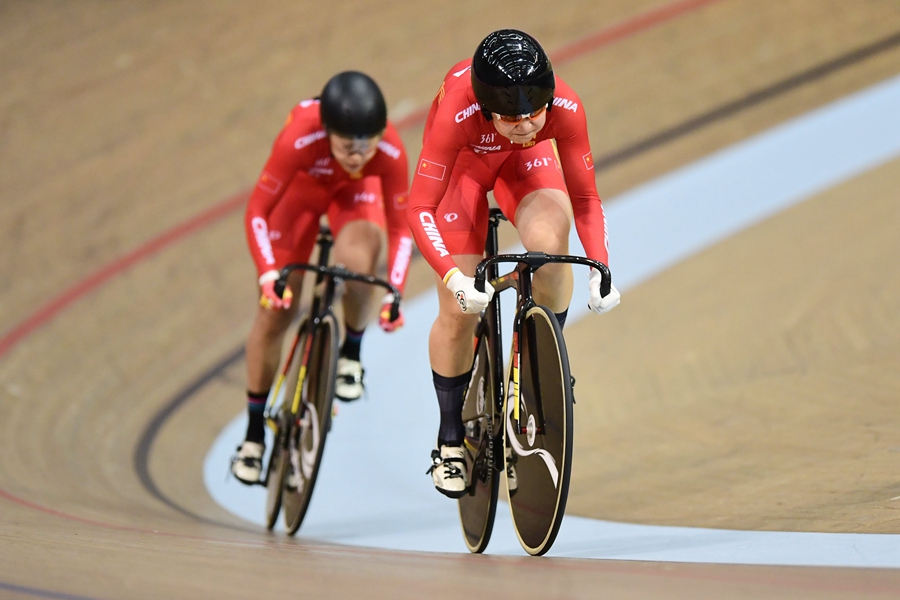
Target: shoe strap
column 438, row 460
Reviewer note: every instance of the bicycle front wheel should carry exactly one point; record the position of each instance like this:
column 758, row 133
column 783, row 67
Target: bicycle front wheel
column 307, row 440
column 539, row 460
column 481, row 418
column 277, row 467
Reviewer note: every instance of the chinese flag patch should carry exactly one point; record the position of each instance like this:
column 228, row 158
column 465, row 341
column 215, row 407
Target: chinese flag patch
column 269, row 183
column 432, row 170
column 588, row 161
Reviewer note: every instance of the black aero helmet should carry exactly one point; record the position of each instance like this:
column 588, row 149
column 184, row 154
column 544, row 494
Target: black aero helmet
column 511, row 74
column 351, row 105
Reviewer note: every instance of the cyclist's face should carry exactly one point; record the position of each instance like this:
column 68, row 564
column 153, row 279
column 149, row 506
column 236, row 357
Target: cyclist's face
column 353, row 153
column 522, row 131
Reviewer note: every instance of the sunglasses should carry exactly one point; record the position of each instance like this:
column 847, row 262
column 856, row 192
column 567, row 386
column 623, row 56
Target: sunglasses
column 516, row 119
column 357, row 145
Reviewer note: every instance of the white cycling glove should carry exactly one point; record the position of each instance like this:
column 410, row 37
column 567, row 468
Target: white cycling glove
column 471, row 301
column 602, row 304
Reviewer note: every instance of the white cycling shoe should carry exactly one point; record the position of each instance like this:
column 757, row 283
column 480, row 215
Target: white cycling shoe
column 348, row 385
column 448, row 470
column 246, row 465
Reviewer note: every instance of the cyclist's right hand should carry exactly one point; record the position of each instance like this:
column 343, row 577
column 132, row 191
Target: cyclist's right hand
column 268, row 299
column 470, row 300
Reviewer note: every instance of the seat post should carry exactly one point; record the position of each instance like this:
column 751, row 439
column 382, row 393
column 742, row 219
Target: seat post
column 491, row 244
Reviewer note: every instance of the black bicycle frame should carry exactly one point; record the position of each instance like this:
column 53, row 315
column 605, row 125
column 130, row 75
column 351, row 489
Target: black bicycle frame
column 527, row 263
column 494, row 327
column 331, row 275
column 325, row 243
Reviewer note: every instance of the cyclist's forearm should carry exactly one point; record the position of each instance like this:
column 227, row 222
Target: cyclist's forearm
column 400, row 246
column 590, row 223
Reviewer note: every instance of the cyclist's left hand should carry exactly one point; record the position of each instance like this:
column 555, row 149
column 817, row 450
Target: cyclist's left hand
column 384, row 315
column 602, row 304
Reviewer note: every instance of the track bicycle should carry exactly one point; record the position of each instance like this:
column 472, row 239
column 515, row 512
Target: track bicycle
column 299, row 407
column 525, row 433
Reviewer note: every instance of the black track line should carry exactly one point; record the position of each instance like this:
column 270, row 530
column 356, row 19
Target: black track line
column 750, row 100
column 141, row 459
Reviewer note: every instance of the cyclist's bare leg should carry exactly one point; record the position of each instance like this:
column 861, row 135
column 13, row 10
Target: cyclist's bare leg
column 357, row 247
column 451, row 351
column 263, row 355
column 450, row 344
column 265, row 339
column 543, row 220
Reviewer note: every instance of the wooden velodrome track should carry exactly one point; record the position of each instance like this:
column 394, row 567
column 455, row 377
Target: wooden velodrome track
column 753, row 386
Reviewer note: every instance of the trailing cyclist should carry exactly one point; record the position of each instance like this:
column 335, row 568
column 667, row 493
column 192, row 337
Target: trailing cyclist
column 492, row 126
column 337, row 155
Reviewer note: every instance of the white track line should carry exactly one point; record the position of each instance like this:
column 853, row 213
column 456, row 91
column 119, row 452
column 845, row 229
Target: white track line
column 373, row 490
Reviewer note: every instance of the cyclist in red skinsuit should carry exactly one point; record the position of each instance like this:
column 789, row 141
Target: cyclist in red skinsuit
column 337, row 156
column 492, row 126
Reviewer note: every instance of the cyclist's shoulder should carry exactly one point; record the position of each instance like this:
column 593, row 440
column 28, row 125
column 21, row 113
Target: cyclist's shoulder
column 566, row 121
column 302, row 131
column 306, row 111
column 565, row 98
column 456, row 89
column 459, row 73
column 456, row 119
column 303, row 119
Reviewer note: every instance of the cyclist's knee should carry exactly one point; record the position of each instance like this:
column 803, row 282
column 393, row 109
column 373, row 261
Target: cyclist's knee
column 543, row 224
column 358, row 246
column 544, row 237
column 454, row 325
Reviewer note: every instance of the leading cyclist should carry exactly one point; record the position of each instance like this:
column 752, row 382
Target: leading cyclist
column 336, row 155
column 492, row 126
